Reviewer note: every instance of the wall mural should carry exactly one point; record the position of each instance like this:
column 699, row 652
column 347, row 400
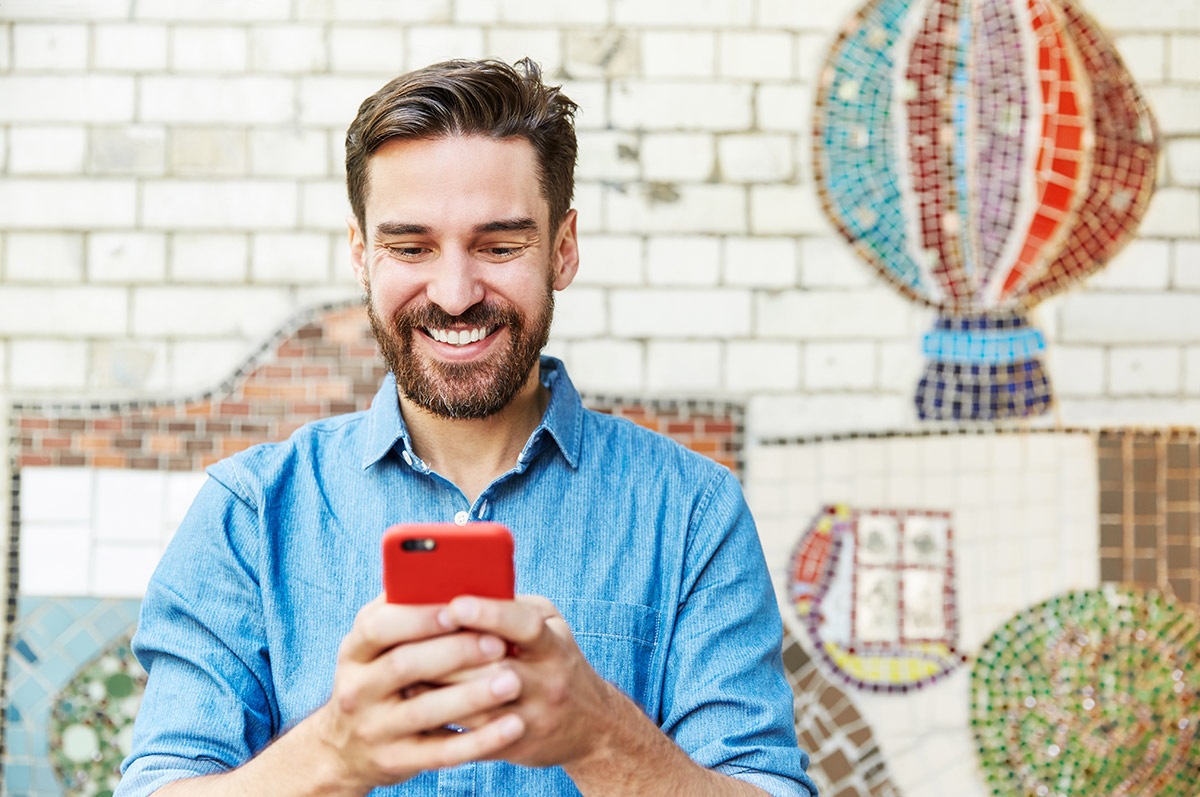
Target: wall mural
column 981, row 155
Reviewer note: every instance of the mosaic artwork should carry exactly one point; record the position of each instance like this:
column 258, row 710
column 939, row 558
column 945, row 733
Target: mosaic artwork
column 981, row 155
column 1093, row 692
column 875, row 590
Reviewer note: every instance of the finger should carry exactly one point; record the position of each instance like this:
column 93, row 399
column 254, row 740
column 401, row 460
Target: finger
column 381, row 625
column 540, row 604
column 513, row 621
column 436, row 708
column 438, row 751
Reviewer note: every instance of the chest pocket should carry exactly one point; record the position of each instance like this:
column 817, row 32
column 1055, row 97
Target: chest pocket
column 618, row 640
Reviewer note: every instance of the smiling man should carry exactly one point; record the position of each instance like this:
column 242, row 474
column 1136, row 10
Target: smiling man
column 644, row 654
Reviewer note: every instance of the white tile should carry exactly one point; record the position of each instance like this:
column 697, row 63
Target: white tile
column 123, row 570
column 181, row 490
column 55, row 558
column 129, row 505
column 56, row 494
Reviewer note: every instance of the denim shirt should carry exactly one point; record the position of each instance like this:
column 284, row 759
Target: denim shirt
column 647, row 549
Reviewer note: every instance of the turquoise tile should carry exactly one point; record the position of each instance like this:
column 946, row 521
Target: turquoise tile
column 116, row 620
column 56, row 618
column 27, row 694
column 46, row 782
column 16, row 743
column 27, row 604
column 57, row 671
column 18, row 777
column 81, row 647
column 39, row 736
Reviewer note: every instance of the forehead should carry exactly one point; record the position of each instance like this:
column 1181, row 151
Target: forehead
column 460, row 180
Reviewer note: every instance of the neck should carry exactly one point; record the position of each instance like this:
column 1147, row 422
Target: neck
column 472, row 453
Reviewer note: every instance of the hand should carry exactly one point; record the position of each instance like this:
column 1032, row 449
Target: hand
column 378, row 737
column 564, row 704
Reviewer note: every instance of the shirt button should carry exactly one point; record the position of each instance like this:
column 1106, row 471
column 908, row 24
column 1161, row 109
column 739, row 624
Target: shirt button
column 461, row 518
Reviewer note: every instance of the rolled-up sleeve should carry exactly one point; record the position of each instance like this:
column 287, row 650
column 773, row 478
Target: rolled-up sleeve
column 726, row 700
column 208, row 705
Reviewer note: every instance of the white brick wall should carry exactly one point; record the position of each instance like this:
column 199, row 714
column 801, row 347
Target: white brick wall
column 171, row 189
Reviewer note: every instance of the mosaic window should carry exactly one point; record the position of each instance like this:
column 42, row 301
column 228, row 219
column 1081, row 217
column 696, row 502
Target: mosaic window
column 981, row 155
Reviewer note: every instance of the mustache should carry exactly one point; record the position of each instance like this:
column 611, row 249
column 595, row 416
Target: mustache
column 484, row 314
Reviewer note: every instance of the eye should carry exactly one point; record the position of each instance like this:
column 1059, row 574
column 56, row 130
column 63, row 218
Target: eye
column 504, row 252
column 406, row 252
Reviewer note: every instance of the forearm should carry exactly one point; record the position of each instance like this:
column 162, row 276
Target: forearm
column 296, row 764
column 632, row 756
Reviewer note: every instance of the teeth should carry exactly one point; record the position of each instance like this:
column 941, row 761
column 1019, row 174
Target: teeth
column 459, row 337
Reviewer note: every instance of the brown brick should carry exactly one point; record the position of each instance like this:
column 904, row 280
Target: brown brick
column 1145, row 572
column 1185, row 589
column 1112, row 570
column 836, row 766
column 70, row 424
column 1179, row 455
column 30, row 423
column 830, row 697
column 1112, row 535
column 849, row 791
column 847, row 716
column 1145, row 537
column 860, row 737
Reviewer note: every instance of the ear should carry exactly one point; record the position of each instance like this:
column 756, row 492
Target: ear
column 566, row 252
column 358, row 246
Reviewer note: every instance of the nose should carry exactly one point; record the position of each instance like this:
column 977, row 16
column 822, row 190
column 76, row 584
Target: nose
column 455, row 285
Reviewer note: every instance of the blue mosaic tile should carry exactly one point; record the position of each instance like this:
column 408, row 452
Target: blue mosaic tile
column 28, row 694
column 117, row 619
column 26, row 652
column 82, row 646
column 18, row 776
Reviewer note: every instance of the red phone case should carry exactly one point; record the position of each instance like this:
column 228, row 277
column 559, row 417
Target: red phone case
column 475, row 559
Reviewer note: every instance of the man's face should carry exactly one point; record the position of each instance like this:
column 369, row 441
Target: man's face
column 460, row 269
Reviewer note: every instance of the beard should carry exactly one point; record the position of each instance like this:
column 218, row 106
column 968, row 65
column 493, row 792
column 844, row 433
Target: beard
column 462, row 390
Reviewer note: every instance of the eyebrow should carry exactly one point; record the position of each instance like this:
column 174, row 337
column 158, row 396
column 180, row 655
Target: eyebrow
column 521, row 224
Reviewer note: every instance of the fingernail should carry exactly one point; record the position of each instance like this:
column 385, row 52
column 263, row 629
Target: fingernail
column 467, row 609
column 491, row 646
column 505, row 684
column 511, row 727
column 444, row 619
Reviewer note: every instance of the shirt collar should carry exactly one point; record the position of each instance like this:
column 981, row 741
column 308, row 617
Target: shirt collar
column 563, row 419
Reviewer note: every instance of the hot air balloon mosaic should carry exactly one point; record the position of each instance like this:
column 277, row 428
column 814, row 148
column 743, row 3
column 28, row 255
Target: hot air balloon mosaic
column 982, row 155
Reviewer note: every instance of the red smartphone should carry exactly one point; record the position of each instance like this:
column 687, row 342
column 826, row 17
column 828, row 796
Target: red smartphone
column 437, row 562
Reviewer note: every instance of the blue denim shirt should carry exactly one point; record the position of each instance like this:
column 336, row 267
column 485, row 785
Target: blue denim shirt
column 647, row 549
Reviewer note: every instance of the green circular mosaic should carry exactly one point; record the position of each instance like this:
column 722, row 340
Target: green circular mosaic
column 91, row 724
column 1091, row 693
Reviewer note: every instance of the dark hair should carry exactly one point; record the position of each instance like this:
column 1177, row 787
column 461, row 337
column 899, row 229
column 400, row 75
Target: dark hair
column 487, row 98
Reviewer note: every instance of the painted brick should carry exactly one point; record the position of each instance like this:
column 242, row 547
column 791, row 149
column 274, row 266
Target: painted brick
column 57, row 48
column 1165, row 15
column 592, row 98
column 432, row 43
column 126, row 366
column 127, row 257
column 1187, row 264
column 607, row 366
column 1077, row 370
column 209, row 49
column 669, row 157
column 675, row 54
column 791, row 415
column 589, row 203
column 677, row 260
column 477, row 11
column 1123, row 319
column 5, row 47
column 543, row 46
column 811, row 51
column 760, row 262
column 1145, row 56
column 235, row 99
column 196, row 312
column 46, row 150
column 1111, row 412
column 213, row 10
column 1184, row 63
column 288, row 48
column 755, row 158
column 756, row 56
column 1183, row 161
column 373, row 10
column 752, row 366
column 1173, row 212
column 1191, row 371
column 1142, row 265
column 140, row 149
column 682, row 313
column 289, row 152
column 129, row 46
column 783, row 108
column 1144, row 370
column 48, row 364
column 900, row 366
column 76, row 99
column 831, row 263
column 553, row 12
column 677, row 209
column 62, row 311
column 699, row 14
column 839, row 366
column 580, row 312
column 588, row 53
column 44, row 257
column 675, row 366
column 663, row 105
column 215, row 151
column 89, row 9
column 290, row 258
column 325, row 206
column 808, row 315
column 208, row 258
column 1177, row 108
column 66, row 204
column 377, row 49
column 786, row 210
column 609, row 260
column 607, row 155
column 334, row 100
column 827, row 15
column 219, row 204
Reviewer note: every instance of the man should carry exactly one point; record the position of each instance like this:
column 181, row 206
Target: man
column 645, row 659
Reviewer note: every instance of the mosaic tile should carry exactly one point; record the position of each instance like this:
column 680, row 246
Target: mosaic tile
column 981, row 155
column 1091, row 692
